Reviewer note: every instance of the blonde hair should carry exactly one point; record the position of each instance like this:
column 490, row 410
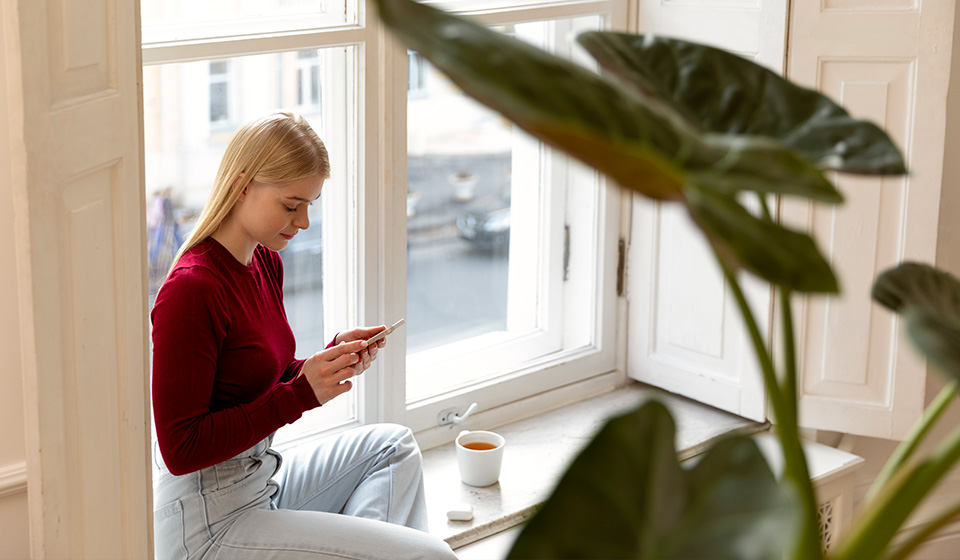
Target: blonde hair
column 277, row 148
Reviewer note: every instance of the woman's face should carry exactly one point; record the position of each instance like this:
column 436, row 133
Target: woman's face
column 272, row 213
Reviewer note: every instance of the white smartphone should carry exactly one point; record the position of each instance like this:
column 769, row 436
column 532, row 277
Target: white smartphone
column 384, row 332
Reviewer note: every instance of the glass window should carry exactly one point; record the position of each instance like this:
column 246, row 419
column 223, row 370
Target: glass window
column 503, row 274
column 485, row 225
column 417, row 68
column 183, row 151
column 219, row 91
column 308, row 79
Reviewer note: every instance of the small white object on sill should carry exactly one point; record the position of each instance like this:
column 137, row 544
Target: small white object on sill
column 460, row 512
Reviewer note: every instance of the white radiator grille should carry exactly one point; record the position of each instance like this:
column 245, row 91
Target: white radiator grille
column 827, row 524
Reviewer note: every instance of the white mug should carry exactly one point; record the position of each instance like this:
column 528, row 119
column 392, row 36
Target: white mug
column 480, row 467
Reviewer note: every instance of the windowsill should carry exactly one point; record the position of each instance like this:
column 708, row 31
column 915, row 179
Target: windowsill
column 538, row 451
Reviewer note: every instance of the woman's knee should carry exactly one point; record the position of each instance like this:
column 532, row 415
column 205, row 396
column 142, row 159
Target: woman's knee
column 428, row 547
column 441, row 551
column 401, row 438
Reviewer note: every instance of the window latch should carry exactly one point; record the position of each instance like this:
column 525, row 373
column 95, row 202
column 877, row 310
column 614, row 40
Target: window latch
column 453, row 416
column 621, row 265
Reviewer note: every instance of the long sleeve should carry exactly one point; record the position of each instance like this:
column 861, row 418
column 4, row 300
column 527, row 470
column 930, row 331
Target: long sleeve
column 210, row 405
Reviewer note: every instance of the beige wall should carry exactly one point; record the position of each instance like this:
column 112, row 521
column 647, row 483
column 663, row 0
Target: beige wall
column 14, row 536
column 14, row 532
column 948, row 246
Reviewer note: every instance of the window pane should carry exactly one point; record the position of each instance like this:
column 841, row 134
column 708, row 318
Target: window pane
column 470, row 177
column 458, row 216
column 177, row 20
column 183, row 149
column 219, row 102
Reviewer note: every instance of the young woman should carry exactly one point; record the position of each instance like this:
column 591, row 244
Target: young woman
column 225, row 378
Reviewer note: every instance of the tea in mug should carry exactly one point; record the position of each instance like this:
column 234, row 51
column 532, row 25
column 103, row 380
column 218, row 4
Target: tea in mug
column 479, row 446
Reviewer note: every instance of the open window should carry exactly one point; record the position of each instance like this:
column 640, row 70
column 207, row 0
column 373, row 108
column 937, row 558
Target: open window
column 500, row 252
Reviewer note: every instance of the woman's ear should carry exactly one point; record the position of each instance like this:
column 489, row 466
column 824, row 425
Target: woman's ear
column 236, row 185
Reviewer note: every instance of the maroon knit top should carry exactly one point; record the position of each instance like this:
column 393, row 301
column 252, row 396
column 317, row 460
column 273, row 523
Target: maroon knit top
column 224, row 372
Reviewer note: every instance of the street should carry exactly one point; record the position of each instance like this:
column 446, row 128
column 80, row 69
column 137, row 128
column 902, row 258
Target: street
column 455, row 289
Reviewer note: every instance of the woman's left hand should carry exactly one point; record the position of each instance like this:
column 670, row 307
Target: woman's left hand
column 368, row 354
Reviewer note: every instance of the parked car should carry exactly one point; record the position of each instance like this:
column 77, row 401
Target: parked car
column 486, row 224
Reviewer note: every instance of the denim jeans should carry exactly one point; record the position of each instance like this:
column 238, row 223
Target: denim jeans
column 357, row 495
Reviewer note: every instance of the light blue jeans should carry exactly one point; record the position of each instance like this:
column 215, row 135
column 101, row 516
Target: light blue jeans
column 357, row 495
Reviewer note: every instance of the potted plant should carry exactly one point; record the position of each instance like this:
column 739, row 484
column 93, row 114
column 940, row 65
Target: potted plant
column 464, row 184
column 688, row 124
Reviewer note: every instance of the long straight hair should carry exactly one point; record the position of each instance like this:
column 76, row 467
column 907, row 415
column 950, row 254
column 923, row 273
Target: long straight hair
column 277, row 148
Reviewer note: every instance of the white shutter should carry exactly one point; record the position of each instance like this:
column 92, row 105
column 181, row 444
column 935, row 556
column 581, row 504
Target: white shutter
column 686, row 332
column 754, row 29
column 887, row 61
column 73, row 96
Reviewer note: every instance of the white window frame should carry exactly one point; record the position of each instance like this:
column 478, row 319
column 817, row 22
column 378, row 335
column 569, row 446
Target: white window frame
column 341, row 209
column 371, row 259
column 521, row 389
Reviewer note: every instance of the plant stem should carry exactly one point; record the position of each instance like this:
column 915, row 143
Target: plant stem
column 789, row 356
column 765, row 208
column 795, row 470
column 789, row 380
column 921, row 535
column 895, row 502
column 919, row 431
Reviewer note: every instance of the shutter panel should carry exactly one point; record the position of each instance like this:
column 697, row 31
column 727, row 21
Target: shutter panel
column 887, row 61
column 73, row 88
column 686, row 332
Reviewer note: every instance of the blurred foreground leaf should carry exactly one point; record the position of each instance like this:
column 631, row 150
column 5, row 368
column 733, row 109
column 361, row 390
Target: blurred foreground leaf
column 928, row 300
column 640, row 142
column 769, row 250
column 724, row 93
column 627, row 496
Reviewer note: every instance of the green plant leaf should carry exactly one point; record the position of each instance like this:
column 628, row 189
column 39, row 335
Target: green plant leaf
column 761, row 165
column 626, row 496
column 928, row 300
column 741, row 240
column 593, row 118
column 724, row 93
column 639, row 142
column 723, row 515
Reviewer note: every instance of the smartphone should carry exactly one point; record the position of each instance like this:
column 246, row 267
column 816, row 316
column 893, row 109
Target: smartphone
column 384, row 332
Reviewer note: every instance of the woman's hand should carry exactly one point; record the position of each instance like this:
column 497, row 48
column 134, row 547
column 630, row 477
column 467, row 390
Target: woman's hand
column 330, row 370
column 369, row 354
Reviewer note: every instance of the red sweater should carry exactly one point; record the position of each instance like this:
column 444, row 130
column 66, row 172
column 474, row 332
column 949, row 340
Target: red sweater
column 224, row 372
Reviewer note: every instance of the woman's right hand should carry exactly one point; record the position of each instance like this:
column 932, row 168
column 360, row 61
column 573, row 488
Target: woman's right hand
column 329, row 371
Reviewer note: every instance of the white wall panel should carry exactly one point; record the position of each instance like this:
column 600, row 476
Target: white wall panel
column 886, row 62
column 687, row 330
column 687, row 334
column 751, row 28
column 871, row 5
column 78, row 193
column 82, row 47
